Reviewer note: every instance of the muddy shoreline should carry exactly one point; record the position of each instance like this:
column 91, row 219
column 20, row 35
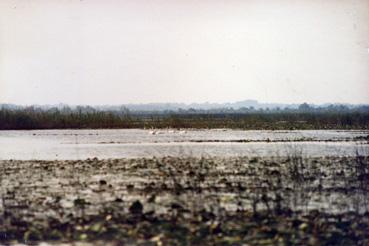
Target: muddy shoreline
column 197, row 201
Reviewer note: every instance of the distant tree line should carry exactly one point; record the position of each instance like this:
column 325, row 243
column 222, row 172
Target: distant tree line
column 54, row 118
column 303, row 117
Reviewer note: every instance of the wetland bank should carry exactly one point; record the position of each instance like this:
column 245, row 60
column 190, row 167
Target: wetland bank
column 184, row 122
column 190, row 187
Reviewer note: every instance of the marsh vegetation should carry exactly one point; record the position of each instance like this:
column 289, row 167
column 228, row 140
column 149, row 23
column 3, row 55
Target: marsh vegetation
column 174, row 200
column 81, row 117
column 185, row 187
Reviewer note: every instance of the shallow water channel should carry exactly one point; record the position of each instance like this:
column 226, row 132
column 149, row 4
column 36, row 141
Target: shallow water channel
column 136, row 143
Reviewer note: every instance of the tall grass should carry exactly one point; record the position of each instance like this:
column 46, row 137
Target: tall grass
column 35, row 118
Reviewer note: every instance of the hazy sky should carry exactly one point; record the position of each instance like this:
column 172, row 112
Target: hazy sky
column 113, row 52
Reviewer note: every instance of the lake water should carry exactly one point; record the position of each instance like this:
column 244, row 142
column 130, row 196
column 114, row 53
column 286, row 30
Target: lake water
column 133, row 143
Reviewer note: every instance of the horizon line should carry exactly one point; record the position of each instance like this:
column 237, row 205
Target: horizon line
column 183, row 103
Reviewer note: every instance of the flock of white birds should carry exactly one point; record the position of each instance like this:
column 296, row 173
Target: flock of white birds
column 157, row 132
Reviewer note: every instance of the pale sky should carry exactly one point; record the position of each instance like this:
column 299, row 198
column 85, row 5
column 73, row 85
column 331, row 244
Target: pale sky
column 116, row 52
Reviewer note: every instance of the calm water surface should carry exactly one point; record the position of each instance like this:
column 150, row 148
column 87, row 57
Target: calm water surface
column 132, row 143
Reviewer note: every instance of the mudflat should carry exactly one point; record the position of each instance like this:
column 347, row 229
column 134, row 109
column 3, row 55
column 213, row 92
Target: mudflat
column 187, row 200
